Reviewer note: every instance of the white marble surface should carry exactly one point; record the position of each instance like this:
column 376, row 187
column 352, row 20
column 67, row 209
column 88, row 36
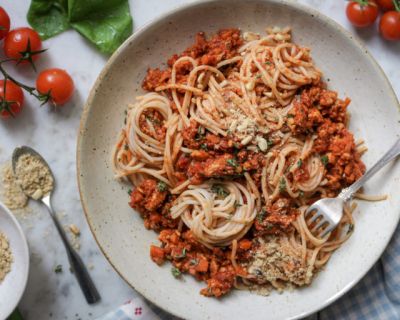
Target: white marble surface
column 53, row 133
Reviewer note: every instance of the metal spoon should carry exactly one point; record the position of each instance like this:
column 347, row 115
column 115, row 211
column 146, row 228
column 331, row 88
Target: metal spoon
column 77, row 265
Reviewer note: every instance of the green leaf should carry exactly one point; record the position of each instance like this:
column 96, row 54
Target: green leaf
column 299, row 163
column 232, row 162
column 193, row 262
column 16, row 315
column 282, row 185
column 48, row 17
column 58, row 269
column 176, row 272
column 219, row 191
column 261, row 215
column 105, row 23
column 182, row 255
column 350, row 228
column 324, row 160
column 237, row 204
column 162, row 186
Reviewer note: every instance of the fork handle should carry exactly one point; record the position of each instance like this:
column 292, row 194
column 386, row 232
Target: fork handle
column 393, row 152
column 78, row 267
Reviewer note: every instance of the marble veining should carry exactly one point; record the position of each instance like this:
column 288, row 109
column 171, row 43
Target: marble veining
column 53, row 133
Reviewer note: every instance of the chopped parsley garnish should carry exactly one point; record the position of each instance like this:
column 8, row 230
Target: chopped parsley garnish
column 182, row 255
column 299, row 163
column 203, row 146
column 126, row 147
column 232, row 162
column 350, row 228
column 153, row 120
column 237, row 204
column 270, row 143
column 261, row 215
column 258, row 76
column 130, row 192
column 267, row 62
column 219, row 191
column 162, row 186
column 236, row 148
column 282, row 185
column 258, row 272
column 58, row 269
column 269, row 227
column 290, row 115
column 176, row 272
column 324, row 160
column 194, row 262
column 200, row 133
column 301, row 194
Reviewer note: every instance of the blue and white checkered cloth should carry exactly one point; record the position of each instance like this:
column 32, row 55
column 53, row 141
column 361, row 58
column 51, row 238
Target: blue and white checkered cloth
column 376, row 296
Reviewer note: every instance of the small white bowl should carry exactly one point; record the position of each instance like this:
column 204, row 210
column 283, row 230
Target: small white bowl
column 13, row 285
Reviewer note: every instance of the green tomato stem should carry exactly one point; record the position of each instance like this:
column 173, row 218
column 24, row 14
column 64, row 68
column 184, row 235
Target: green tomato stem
column 396, row 4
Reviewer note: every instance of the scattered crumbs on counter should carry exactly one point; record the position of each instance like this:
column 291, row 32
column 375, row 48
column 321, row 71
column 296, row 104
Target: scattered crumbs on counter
column 12, row 194
column 6, row 257
column 61, row 215
column 75, row 234
column 74, row 229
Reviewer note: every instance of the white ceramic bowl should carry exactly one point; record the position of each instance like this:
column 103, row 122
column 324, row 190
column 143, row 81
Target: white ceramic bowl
column 13, row 285
column 119, row 231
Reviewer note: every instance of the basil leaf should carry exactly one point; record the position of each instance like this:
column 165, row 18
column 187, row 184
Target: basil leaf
column 105, row 23
column 48, row 18
column 16, row 315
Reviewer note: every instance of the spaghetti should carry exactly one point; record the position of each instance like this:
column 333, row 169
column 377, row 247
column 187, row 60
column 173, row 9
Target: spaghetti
column 235, row 139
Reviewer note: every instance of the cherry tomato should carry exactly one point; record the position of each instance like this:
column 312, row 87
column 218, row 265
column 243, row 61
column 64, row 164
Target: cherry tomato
column 16, row 42
column 13, row 100
column 385, row 5
column 362, row 13
column 58, row 82
column 4, row 23
column 389, row 26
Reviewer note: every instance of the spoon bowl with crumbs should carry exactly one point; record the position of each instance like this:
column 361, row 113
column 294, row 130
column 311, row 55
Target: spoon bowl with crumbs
column 36, row 180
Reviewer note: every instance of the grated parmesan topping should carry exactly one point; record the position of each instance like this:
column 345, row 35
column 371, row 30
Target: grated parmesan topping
column 243, row 127
column 6, row 257
column 33, row 176
column 276, row 261
column 12, row 194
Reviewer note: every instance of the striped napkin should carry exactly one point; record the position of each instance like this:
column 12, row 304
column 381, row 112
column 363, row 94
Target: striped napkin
column 135, row 309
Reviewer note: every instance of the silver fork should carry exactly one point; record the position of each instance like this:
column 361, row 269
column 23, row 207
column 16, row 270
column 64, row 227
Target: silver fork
column 330, row 210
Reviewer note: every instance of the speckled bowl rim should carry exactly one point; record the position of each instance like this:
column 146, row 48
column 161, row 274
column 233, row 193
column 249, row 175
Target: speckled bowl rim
column 25, row 248
column 84, row 118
